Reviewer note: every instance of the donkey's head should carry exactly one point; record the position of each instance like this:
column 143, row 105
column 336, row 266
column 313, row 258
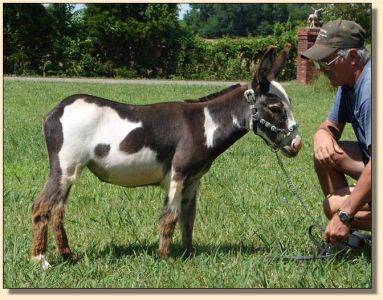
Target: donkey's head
column 272, row 117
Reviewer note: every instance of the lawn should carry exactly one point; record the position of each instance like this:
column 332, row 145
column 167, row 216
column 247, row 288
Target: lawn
column 245, row 210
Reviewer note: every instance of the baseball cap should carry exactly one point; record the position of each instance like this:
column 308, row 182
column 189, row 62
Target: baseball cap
column 333, row 36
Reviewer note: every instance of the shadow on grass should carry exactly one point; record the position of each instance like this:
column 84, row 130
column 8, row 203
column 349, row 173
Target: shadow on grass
column 121, row 251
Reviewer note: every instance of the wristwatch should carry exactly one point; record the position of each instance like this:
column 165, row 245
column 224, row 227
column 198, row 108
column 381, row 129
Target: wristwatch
column 343, row 216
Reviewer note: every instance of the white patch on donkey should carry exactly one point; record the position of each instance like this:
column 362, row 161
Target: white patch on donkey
column 86, row 125
column 40, row 259
column 210, row 127
column 135, row 169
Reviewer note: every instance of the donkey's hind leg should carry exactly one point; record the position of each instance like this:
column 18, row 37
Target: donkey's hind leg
column 57, row 225
column 57, row 214
column 41, row 215
column 49, row 209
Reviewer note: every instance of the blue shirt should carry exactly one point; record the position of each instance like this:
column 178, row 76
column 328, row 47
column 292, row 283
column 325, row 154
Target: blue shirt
column 353, row 105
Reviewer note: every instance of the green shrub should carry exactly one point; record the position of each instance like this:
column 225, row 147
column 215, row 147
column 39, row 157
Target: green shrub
column 125, row 72
column 232, row 58
column 185, row 56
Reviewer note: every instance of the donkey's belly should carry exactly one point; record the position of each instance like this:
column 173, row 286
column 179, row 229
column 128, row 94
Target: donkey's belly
column 136, row 175
column 129, row 170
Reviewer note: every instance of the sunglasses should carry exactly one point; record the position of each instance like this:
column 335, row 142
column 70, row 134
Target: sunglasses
column 325, row 65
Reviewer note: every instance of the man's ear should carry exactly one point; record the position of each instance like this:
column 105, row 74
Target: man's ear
column 353, row 54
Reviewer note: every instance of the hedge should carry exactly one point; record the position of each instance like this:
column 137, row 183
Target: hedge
column 232, row 58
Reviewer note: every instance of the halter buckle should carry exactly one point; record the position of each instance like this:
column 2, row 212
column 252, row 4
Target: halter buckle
column 249, row 95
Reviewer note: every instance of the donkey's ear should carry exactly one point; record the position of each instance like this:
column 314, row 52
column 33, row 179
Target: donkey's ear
column 279, row 63
column 269, row 68
column 260, row 81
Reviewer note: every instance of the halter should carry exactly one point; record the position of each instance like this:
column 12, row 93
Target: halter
column 281, row 133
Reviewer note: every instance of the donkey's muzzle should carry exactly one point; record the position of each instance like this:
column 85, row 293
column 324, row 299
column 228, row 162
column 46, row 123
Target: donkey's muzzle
column 293, row 149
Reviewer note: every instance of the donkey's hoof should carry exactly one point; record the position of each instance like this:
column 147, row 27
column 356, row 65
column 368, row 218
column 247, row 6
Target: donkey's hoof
column 70, row 257
column 44, row 265
column 162, row 253
column 171, row 259
column 188, row 252
column 165, row 255
column 40, row 259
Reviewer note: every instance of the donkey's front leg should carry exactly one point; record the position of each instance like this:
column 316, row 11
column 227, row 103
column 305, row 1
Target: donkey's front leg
column 188, row 211
column 170, row 215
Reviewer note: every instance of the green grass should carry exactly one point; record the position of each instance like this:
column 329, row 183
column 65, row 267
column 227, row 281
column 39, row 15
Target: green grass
column 245, row 211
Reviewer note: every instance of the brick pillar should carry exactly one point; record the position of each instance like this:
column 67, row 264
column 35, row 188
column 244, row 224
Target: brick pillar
column 305, row 68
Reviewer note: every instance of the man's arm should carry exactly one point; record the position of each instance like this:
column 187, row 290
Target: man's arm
column 336, row 231
column 333, row 129
column 325, row 144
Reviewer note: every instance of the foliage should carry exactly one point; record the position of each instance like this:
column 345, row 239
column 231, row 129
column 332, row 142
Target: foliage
column 106, row 39
column 141, row 37
column 219, row 20
column 27, row 37
column 360, row 13
column 234, row 58
column 299, row 12
column 68, row 40
column 147, row 40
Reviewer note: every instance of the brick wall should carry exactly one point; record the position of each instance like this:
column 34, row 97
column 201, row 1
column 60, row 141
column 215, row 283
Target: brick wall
column 306, row 71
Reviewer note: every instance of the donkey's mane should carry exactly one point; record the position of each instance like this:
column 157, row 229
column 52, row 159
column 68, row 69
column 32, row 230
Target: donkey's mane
column 213, row 95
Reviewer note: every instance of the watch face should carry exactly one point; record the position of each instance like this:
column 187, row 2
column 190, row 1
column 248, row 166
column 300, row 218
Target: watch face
column 344, row 217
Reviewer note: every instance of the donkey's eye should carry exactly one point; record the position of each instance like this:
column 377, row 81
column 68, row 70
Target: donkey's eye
column 275, row 109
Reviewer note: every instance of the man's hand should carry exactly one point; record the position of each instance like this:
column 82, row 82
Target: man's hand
column 336, row 231
column 325, row 147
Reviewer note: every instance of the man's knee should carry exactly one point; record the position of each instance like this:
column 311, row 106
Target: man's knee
column 339, row 163
column 349, row 162
column 327, row 208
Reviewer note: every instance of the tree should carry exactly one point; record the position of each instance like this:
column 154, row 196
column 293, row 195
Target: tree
column 66, row 38
column 256, row 19
column 360, row 13
column 134, row 36
column 40, row 39
column 218, row 20
column 298, row 13
column 27, row 37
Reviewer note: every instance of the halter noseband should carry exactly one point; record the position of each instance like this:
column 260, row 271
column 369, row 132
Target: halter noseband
column 281, row 133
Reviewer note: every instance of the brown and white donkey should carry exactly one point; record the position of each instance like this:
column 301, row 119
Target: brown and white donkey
column 168, row 144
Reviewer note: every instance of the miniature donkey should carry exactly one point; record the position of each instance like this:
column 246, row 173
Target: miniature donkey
column 168, row 144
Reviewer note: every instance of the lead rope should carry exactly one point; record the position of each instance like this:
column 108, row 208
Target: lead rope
column 295, row 192
column 324, row 251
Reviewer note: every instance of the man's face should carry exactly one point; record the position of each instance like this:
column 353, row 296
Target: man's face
column 335, row 68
